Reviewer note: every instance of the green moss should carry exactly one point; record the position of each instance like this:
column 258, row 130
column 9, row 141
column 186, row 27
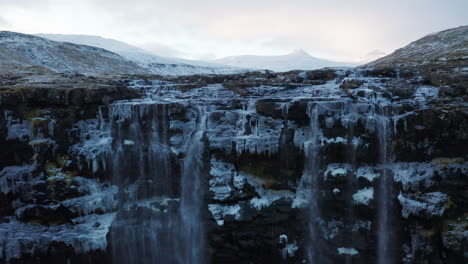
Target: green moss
column 38, row 70
column 39, row 122
column 57, row 169
column 446, row 161
column 62, row 160
column 57, row 220
column 449, row 204
column 35, row 222
column 51, row 169
column 427, row 233
column 447, row 224
column 259, row 172
column 15, row 90
column 30, row 114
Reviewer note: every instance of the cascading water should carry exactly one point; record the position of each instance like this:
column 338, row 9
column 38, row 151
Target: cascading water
column 159, row 220
column 384, row 217
column 351, row 113
column 308, row 188
column 191, row 207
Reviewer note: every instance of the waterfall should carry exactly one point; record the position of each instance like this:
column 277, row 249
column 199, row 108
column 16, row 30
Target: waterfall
column 384, row 217
column 351, row 112
column 191, row 214
column 159, row 220
column 308, row 186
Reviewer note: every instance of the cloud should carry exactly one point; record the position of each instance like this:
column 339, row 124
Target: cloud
column 163, row 50
column 3, row 22
column 336, row 29
column 25, row 4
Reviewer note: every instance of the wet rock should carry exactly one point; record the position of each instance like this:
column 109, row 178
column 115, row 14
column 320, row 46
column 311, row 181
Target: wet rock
column 321, row 75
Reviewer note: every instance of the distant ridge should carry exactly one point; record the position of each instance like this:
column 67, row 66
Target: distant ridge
column 153, row 63
column 18, row 51
column 436, row 48
column 297, row 59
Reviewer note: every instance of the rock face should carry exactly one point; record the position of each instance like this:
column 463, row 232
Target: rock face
column 327, row 166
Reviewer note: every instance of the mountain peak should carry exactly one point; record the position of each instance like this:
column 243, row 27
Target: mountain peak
column 300, row 52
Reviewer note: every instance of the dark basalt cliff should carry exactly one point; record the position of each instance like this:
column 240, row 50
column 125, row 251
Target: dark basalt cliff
column 326, row 166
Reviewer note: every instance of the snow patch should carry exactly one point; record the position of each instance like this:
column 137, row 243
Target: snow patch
column 364, row 196
column 219, row 212
column 335, row 170
column 431, row 204
column 288, row 249
column 367, row 173
column 347, row 251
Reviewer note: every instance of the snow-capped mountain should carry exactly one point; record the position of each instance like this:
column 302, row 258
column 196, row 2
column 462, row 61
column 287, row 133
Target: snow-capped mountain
column 296, row 60
column 155, row 64
column 448, row 47
column 19, row 51
column 372, row 56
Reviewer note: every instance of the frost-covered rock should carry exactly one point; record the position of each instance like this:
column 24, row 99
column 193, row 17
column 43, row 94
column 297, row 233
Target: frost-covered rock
column 15, row 179
column 85, row 234
column 17, row 128
column 219, row 212
column 222, row 178
column 412, row 175
column 364, row 196
column 99, row 198
column 335, row 170
column 428, row 204
column 367, row 173
column 347, row 251
column 288, row 250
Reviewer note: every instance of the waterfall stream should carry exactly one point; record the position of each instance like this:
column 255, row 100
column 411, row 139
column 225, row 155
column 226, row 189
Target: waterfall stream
column 310, row 189
column 384, row 217
column 159, row 220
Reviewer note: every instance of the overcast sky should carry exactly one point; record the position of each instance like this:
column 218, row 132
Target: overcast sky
column 205, row 29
